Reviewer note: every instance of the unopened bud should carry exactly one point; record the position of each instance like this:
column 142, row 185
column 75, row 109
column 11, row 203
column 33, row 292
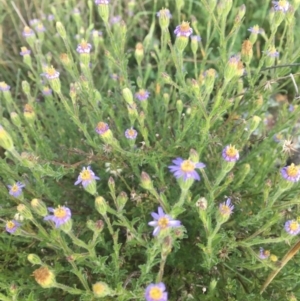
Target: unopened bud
column 127, row 94
column 34, row 259
column 61, row 30
column 101, row 205
column 39, row 207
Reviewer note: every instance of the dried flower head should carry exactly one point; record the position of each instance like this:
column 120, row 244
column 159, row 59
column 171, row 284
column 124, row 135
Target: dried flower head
column 44, row 277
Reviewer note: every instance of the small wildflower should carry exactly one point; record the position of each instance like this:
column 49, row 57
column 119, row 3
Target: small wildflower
column 50, row 73
column 130, row 133
column 142, row 95
column 162, row 221
column 115, row 20
column 291, row 108
column 272, row 52
column 27, row 32
column 60, row 215
column 196, row 38
column 4, row 87
column 263, row 254
column 164, row 13
column 46, row 91
column 25, row 51
column 12, row 226
column 16, row 189
column 291, row 173
column 84, row 47
column 226, row 208
column 156, row 292
column 86, row 176
column 40, row 28
column 185, row 169
column 183, row 30
column 278, row 137
column 33, row 22
column 281, row 5
column 230, row 153
column 255, row 29
column 44, row 277
column 50, row 17
column 292, row 227
column 102, row 128
column 102, row 2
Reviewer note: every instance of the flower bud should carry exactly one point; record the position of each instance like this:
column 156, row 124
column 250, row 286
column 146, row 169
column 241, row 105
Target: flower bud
column 34, row 259
column 29, row 113
column 166, row 99
column 101, row 289
column 24, row 211
column 39, row 207
column 95, row 226
column 146, row 181
column 164, row 16
column 111, row 185
column 103, row 10
column 61, row 30
column 127, row 94
column 179, row 106
column 26, row 88
column 15, row 118
column 194, row 156
column 101, row 205
column 139, row 53
column 254, row 123
column 5, row 140
column 67, row 226
column 122, row 199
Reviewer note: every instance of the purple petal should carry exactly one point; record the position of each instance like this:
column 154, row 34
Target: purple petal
column 155, row 215
column 156, row 231
column 174, row 223
column 200, row 165
column 160, row 212
column 152, row 223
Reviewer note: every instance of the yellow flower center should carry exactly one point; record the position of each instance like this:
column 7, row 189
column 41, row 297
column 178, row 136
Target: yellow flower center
column 185, row 26
column 225, row 210
column 27, row 29
column 15, row 188
column 101, row 126
column 3, row 85
column 267, row 253
column 187, row 166
column 10, row 224
column 60, row 212
column 24, row 49
column 163, row 222
column 86, row 175
column 98, row 288
column 231, row 151
column 282, row 3
column 256, row 28
column 292, row 170
column 84, row 45
column 294, row 226
column 142, row 93
column 50, row 71
column 155, row 293
column 131, row 133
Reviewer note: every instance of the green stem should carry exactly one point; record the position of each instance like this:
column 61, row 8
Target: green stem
column 71, row 290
